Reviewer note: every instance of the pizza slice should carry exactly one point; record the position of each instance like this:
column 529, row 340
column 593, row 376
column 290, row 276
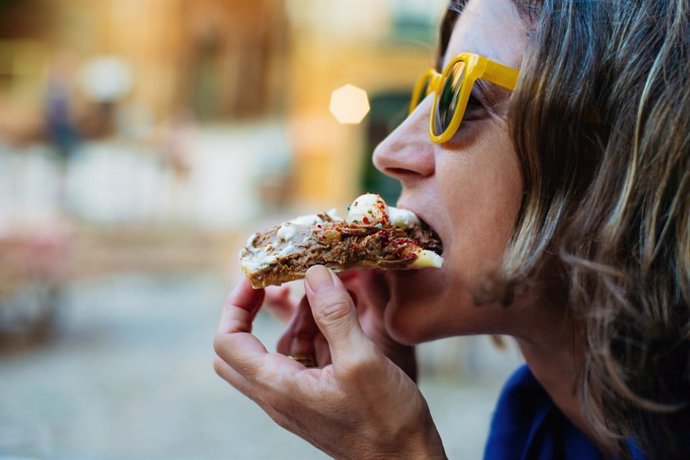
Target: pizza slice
column 373, row 235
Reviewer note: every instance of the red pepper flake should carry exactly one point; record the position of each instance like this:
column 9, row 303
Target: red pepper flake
column 383, row 234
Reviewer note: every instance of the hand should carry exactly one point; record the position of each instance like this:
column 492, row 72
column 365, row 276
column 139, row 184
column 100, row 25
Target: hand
column 370, row 294
column 360, row 406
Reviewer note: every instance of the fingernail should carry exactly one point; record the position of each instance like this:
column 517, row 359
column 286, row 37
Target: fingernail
column 319, row 278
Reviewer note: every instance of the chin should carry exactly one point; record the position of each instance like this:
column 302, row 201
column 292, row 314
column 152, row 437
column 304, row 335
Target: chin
column 417, row 311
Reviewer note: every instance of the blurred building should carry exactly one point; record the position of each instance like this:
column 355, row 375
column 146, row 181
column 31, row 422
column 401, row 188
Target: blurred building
column 222, row 61
column 213, row 56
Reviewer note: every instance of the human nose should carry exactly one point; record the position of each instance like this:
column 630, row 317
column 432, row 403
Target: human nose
column 407, row 153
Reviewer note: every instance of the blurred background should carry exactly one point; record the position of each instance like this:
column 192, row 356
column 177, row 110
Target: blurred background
column 141, row 141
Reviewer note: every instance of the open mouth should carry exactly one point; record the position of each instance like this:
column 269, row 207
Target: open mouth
column 431, row 239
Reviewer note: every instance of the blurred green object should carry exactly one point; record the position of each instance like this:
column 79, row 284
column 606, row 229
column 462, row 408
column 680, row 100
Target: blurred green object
column 388, row 110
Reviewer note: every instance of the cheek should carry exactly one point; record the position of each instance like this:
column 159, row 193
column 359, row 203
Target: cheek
column 479, row 190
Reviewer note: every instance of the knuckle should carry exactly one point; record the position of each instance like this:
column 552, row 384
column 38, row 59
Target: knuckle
column 334, row 308
column 275, row 401
column 228, row 300
column 279, row 419
column 272, row 401
column 218, row 365
column 218, row 344
column 228, row 306
column 236, row 322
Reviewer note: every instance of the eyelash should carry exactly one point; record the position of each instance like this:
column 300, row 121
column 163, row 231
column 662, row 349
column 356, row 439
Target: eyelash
column 474, row 102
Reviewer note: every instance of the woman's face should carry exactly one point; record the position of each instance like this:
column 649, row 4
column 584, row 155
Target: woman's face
column 468, row 190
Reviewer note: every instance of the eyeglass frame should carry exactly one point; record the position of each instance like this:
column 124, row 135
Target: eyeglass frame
column 476, row 67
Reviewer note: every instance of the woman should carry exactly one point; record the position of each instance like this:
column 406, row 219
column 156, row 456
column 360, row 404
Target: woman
column 563, row 207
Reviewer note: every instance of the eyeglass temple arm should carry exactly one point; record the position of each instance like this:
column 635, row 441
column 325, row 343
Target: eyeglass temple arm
column 501, row 75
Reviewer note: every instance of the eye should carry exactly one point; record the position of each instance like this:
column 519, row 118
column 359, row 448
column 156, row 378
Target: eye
column 476, row 110
column 475, row 106
column 474, row 101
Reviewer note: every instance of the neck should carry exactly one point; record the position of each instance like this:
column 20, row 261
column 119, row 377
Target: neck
column 555, row 355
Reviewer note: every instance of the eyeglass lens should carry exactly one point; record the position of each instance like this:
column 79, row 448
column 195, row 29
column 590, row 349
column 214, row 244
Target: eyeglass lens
column 448, row 98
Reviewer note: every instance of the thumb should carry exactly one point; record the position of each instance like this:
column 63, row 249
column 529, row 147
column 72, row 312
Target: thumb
column 335, row 315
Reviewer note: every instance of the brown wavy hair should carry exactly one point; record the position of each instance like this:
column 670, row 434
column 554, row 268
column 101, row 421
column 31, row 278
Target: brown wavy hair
column 601, row 125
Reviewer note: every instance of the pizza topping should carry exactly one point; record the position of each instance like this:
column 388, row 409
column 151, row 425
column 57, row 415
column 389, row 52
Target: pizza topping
column 286, row 231
column 373, row 236
column 403, row 218
column 368, row 209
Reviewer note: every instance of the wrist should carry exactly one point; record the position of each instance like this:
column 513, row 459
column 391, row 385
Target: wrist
column 424, row 445
column 420, row 442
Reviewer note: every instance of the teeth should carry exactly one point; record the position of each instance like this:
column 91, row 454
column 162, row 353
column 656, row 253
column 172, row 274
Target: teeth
column 427, row 259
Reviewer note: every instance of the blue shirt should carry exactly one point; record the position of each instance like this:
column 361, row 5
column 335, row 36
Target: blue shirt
column 527, row 425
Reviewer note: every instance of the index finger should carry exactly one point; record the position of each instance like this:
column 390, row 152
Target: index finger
column 240, row 308
column 234, row 342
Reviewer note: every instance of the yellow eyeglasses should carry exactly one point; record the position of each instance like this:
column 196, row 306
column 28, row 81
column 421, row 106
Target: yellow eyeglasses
column 452, row 89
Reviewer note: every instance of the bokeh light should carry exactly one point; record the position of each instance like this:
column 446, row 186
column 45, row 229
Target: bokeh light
column 349, row 104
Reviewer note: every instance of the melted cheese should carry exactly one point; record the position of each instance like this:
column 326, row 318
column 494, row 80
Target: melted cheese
column 368, row 209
